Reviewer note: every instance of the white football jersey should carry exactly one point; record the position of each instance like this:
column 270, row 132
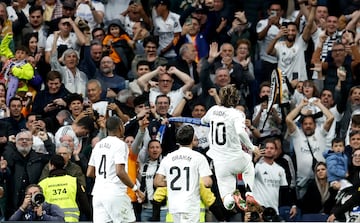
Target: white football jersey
column 268, row 180
column 183, row 169
column 226, row 124
column 106, row 154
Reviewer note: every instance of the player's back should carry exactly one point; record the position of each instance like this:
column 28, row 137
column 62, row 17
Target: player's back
column 225, row 124
column 106, row 154
column 183, row 176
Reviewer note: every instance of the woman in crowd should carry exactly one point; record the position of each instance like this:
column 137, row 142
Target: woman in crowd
column 319, row 197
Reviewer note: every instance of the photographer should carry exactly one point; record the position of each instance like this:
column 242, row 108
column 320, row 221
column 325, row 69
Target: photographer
column 35, row 208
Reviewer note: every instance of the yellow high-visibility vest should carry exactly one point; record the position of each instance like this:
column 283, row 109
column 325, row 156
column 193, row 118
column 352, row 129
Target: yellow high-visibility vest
column 61, row 190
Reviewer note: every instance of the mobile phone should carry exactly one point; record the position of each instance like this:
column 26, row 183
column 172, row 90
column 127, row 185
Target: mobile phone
column 295, row 75
column 273, row 13
column 38, row 117
column 188, row 21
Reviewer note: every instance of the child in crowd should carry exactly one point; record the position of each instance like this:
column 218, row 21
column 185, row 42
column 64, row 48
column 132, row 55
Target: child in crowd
column 16, row 71
column 119, row 45
column 336, row 161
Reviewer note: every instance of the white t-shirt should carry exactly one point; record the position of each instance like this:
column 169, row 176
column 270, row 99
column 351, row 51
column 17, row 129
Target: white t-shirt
column 104, row 157
column 175, row 97
column 268, row 179
column 67, row 130
column 71, row 42
column 165, row 30
column 271, row 127
column 84, row 12
column 263, row 44
column 183, row 170
column 303, row 155
column 292, row 59
column 226, row 126
column 202, row 133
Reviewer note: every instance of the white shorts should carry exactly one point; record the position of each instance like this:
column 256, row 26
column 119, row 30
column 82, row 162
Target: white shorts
column 226, row 173
column 113, row 208
column 186, row 217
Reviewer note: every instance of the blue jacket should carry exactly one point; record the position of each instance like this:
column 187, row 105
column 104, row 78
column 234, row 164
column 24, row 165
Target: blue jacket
column 51, row 212
column 337, row 165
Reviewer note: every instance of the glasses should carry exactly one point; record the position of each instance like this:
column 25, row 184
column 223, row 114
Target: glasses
column 66, row 24
column 356, row 155
column 338, row 50
column 165, row 81
column 24, row 139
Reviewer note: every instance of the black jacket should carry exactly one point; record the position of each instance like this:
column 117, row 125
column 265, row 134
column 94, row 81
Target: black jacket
column 24, row 171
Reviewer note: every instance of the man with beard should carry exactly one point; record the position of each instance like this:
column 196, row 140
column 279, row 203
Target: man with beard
column 269, row 178
column 308, row 140
column 110, row 82
column 25, row 165
column 289, row 50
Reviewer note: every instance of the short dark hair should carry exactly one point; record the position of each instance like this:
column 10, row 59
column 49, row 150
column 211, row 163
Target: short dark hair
column 303, row 117
column 142, row 63
column 352, row 133
column 162, row 96
column 35, row 8
column 185, row 135
column 269, row 140
column 97, row 29
column 23, row 48
column 198, row 103
column 113, row 123
column 58, row 161
column 151, row 39
column 152, row 140
column 337, row 140
column 14, row 99
column 87, row 123
column 52, row 75
column 355, row 120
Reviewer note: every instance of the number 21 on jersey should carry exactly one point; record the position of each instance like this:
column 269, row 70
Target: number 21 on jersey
column 177, row 183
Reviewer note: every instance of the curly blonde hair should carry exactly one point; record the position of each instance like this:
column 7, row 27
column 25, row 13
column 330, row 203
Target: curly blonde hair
column 229, row 96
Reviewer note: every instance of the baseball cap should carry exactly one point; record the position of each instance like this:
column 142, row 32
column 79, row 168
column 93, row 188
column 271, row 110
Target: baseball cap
column 69, row 4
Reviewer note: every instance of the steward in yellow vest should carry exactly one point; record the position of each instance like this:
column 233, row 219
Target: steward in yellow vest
column 65, row 191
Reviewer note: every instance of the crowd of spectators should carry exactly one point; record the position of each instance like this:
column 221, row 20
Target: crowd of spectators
column 67, row 65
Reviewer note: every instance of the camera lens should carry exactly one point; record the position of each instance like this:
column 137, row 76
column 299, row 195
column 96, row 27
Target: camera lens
column 37, row 199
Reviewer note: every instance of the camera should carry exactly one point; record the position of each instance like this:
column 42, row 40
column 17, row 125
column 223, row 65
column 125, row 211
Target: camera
column 264, row 98
column 37, row 199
